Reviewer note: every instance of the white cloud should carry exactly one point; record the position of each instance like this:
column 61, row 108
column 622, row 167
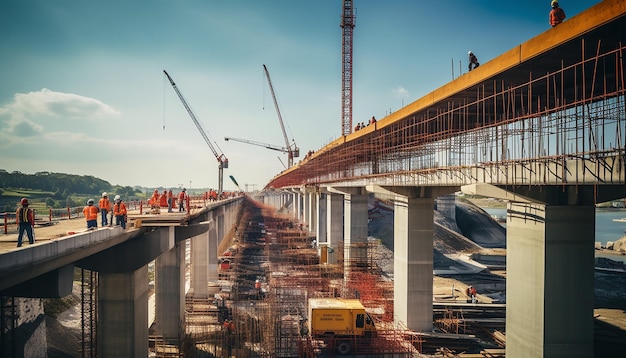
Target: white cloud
column 32, row 113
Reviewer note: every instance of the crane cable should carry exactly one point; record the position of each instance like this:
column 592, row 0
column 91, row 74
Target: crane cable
column 164, row 85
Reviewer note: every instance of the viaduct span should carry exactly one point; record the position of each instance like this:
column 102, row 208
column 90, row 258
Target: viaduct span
column 120, row 258
column 543, row 125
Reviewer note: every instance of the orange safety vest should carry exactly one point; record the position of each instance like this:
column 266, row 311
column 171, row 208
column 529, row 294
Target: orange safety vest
column 119, row 209
column 91, row 212
column 557, row 15
column 25, row 215
column 105, row 204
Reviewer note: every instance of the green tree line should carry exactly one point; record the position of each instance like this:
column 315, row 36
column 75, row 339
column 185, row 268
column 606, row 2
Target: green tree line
column 56, row 190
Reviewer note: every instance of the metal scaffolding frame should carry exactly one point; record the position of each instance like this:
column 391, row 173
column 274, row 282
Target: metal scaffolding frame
column 576, row 111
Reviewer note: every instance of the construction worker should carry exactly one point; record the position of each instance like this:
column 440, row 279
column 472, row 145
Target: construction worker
column 105, row 208
column 473, row 61
column 91, row 214
column 181, row 200
column 170, row 200
column 557, row 15
column 25, row 219
column 163, row 199
column 120, row 212
column 154, row 201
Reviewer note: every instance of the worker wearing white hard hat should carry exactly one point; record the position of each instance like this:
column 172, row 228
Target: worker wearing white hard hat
column 557, row 15
column 105, row 207
column 120, row 212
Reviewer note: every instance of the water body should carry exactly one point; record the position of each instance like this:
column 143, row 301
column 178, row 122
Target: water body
column 606, row 228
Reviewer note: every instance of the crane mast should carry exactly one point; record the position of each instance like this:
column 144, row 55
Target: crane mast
column 292, row 150
column 221, row 158
column 347, row 26
column 264, row 145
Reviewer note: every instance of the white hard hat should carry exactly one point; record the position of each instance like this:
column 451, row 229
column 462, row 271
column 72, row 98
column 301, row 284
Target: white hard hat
column 117, row 197
column 469, row 52
column 104, row 194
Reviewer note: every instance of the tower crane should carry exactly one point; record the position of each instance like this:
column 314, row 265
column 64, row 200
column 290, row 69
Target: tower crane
column 347, row 25
column 221, row 158
column 292, row 150
column 264, row 145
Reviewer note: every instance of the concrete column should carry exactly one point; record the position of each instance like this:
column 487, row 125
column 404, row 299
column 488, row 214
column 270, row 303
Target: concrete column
column 123, row 314
column 355, row 229
column 170, row 292
column 321, row 218
column 312, row 219
column 200, row 265
column 413, row 262
column 212, row 253
column 334, row 224
column 296, row 205
column 306, row 207
column 550, row 280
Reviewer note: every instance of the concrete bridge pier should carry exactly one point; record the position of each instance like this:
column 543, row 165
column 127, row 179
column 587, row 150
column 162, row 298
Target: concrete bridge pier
column 200, row 266
column 123, row 292
column 550, row 280
column 306, row 207
column 311, row 218
column 334, row 224
column 321, row 217
column 170, row 293
column 413, row 262
column 354, row 225
column 123, row 314
column 413, row 252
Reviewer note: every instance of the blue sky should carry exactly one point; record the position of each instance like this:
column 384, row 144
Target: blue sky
column 83, row 90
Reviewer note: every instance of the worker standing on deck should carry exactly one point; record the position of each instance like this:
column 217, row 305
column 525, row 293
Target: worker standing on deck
column 181, row 200
column 25, row 218
column 557, row 15
column 119, row 209
column 163, row 199
column 473, row 60
column 91, row 214
column 105, row 207
column 170, row 200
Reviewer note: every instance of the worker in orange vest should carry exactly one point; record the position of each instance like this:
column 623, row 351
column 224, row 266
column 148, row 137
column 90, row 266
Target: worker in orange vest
column 91, row 215
column 25, row 218
column 557, row 15
column 163, row 199
column 170, row 200
column 181, row 200
column 105, row 208
column 120, row 212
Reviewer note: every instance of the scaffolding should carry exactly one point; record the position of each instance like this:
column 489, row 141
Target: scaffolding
column 574, row 110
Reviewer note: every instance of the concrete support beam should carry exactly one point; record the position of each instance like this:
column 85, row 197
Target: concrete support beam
column 133, row 254
column 550, row 280
column 213, row 244
column 123, row 314
column 322, row 217
column 54, row 284
column 306, row 208
column 334, row 224
column 312, row 219
column 413, row 262
column 200, row 266
column 170, row 293
column 354, row 225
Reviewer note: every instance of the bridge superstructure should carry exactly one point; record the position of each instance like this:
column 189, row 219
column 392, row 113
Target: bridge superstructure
column 117, row 322
column 543, row 126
